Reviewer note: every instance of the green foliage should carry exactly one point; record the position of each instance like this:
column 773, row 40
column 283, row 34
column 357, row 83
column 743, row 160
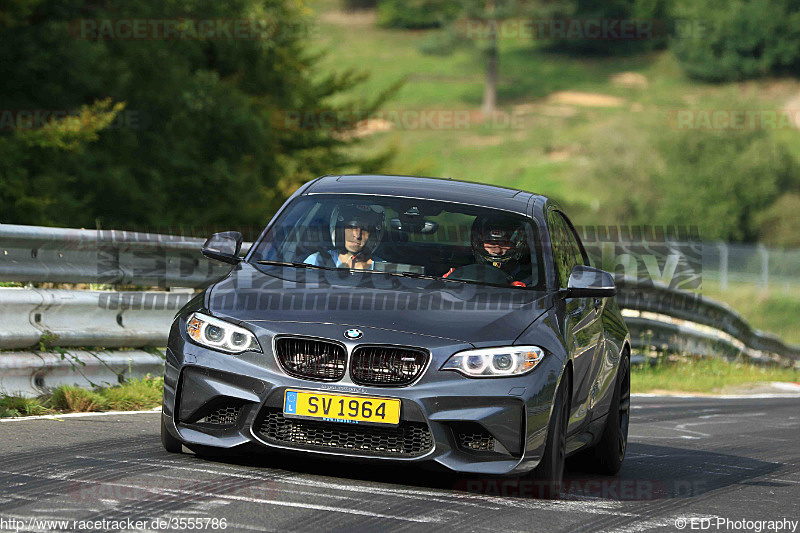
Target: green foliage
column 16, row 405
column 778, row 225
column 69, row 398
column 737, row 39
column 14, row 12
column 72, row 132
column 135, row 394
column 417, row 14
column 202, row 137
column 720, row 181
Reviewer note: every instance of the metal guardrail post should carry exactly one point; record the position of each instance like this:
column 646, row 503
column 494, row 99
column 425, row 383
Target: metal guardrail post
column 764, row 266
column 723, row 265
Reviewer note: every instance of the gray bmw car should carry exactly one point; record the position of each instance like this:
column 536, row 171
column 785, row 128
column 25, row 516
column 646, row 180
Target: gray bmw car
column 416, row 320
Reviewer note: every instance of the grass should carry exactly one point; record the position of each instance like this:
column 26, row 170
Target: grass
column 711, row 375
column 133, row 395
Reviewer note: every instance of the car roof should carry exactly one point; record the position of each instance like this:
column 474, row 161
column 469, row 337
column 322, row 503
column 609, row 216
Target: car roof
column 463, row 192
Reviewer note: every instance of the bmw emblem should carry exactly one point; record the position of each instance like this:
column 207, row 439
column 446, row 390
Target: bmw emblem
column 353, row 334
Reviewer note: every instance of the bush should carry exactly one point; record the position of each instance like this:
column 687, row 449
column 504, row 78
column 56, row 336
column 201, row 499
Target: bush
column 722, row 40
column 417, row 14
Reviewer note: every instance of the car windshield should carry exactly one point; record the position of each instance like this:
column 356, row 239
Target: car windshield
column 408, row 237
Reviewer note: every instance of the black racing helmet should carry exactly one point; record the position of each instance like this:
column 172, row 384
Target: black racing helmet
column 499, row 229
column 368, row 217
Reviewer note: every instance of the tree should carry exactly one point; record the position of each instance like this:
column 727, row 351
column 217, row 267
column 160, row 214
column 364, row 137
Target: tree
column 478, row 23
column 489, row 14
column 190, row 129
column 738, row 39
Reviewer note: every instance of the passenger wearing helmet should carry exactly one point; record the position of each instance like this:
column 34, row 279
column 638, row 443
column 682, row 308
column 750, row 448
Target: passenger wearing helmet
column 356, row 232
column 500, row 243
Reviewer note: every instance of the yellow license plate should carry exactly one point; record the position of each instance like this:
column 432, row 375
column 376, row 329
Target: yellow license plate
column 338, row 408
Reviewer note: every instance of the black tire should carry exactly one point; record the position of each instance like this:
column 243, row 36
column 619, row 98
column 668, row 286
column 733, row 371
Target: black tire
column 548, row 476
column 170, row 443
column 607, row 455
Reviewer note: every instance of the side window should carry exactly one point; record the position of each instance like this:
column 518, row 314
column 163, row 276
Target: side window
column 563, row 252
column 577, row 248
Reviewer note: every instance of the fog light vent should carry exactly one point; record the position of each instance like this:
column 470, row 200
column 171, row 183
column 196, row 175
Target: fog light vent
column 473, row 437
column 224, row 416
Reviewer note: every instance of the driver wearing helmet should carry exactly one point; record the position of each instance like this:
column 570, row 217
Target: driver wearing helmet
column 357, row 231
column 500, row 243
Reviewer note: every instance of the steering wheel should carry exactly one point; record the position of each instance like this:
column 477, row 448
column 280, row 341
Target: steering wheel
column 482, row 274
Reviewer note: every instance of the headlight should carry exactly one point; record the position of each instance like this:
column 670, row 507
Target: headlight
column 496, row 362
column 220, row 335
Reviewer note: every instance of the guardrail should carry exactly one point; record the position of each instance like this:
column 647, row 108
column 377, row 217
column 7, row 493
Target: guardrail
column 39, row 254
column 31, row 373
column 70, row 318
column 658, row 317
column 59, row 325
column 688, row 322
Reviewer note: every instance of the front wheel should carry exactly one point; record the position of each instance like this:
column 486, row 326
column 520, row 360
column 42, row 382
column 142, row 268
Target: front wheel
column 549, row 475
column 608, row 454
column 170, row 443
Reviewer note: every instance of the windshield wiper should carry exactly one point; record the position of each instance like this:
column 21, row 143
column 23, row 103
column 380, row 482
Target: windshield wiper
column 439, row 278
column 412, row 275
column 420, row 276
column 292, row 264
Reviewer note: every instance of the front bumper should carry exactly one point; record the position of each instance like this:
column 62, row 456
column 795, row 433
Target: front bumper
column 479, row 426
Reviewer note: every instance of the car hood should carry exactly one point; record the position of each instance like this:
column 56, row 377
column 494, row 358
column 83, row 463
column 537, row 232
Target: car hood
column 476, row 314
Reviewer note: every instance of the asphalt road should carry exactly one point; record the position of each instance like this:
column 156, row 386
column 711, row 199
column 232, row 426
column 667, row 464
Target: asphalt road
column 699, row 460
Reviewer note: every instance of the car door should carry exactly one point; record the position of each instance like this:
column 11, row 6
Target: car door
column 582, row 326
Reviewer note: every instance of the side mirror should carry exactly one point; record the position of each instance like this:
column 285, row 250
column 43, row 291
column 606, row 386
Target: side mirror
column 223, row 247
column 590, row 282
